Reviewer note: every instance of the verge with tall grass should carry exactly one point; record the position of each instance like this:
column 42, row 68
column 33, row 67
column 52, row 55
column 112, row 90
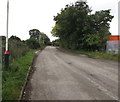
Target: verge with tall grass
column 95, row 54
column 13, row 77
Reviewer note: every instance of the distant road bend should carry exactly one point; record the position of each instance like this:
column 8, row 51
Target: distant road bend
column 62, row 76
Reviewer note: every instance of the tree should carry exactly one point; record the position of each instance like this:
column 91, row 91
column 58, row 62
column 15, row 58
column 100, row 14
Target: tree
column 33, row 43
column 37, row 39
column 34, row 33
column 77, row 28
column 70, row 24
column 14, row 38
column 44, row 40
column 98, row 33
column 55, row 42
column 102, row 26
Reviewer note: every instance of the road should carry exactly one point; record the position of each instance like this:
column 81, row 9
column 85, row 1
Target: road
column 62, row 76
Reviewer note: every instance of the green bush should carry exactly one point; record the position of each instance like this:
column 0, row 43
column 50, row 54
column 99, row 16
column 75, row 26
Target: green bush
column 33, row 43
column 13, row 79
column 17, row 49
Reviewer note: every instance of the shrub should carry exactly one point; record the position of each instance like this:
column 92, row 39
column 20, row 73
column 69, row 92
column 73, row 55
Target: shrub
column 16, row 49
column 33, row 43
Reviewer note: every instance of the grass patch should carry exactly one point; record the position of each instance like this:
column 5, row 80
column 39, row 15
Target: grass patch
column 97, row 54
column 14, row 77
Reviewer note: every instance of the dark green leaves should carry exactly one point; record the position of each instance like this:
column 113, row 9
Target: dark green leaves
column 77, row 28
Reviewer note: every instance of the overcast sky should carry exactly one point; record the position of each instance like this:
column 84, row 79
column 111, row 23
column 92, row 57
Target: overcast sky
column 38, row 14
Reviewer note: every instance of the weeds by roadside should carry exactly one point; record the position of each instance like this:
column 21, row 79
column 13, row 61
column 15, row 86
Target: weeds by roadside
column 14, row 77
column 97, row 54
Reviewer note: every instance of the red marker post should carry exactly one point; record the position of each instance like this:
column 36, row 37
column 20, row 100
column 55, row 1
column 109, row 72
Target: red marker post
column 7, row 52
column 6, row 59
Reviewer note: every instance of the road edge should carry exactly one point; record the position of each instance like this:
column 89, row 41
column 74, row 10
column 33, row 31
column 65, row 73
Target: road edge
column 27, row 76
column 84, row 55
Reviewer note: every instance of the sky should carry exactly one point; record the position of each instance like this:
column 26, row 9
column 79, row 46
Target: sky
column 25, row 15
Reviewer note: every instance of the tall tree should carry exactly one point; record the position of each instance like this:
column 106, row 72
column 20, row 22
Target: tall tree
column 44, row 39
column 34, row 33
column 77, row 28
column 70, row 24
column 99, row 30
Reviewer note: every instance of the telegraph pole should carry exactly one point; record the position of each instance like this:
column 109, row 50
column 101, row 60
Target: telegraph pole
column 6, row 51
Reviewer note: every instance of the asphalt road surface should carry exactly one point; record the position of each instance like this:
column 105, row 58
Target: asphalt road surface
column 63, row 76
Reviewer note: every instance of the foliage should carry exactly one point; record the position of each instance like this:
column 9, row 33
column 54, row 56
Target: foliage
column 97, row 54
column 34, row 33
column 32, row 43
column 55, row 42
column 39, row 37
column 16, row 48
column 44, row 40
column 14, row 78
column 14, row 38
column 77, row 28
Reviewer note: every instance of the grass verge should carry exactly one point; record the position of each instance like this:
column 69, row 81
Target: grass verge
column 97, row 54
column 14, row 77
